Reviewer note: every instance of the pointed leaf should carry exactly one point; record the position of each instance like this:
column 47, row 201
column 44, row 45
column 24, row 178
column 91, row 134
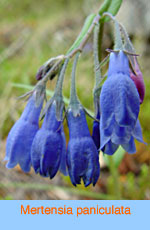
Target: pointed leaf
column 110, row 6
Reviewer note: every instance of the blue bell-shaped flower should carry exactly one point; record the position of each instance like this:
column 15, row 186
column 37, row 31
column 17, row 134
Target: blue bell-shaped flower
column 119, row 104
column 20, row 137
column 82, row 154
column 48, row 153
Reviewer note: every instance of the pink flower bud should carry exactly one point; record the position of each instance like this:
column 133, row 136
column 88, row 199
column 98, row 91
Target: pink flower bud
column 138, row 80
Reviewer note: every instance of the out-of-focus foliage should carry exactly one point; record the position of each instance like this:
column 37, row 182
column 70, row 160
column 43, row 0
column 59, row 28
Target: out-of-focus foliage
column 31, row 31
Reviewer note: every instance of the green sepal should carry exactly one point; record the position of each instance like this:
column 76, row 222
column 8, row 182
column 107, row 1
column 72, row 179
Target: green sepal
column 40, row 93
column 58, row 100
column 129, row 48
column 75, row 108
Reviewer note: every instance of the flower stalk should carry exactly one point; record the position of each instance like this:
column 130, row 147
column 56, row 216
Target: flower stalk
column 118, row 40
column 73, row 93
column 58, row 89
column 97, row 70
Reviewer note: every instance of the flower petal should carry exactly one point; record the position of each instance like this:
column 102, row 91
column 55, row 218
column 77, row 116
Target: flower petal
column 130, row 146
column 20, row 147
column 110, row 148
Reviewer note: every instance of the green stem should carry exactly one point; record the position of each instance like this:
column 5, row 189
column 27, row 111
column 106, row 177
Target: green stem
column 58, row 90
column 100, row 40
column 118, row 39
column 73, row 93
column 96, row 57
column 85, row 38
column 115, row 176
column 78, row 45
column 98, row 76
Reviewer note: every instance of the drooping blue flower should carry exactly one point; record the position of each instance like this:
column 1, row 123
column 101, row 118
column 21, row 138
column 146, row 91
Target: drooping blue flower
column 48, row 152
column 120, row 104
column 20, row 137
column 82, row 155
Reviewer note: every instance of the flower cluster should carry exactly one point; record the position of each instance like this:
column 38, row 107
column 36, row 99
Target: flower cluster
column 117, row 105
column 116, row 124
column 45, row 148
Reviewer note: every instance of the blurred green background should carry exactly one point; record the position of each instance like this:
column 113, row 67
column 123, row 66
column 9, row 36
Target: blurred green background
column 32, row 31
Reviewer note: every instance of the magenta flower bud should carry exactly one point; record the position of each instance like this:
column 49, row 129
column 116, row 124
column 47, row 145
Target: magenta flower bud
column 139, row 82
column 39, row 73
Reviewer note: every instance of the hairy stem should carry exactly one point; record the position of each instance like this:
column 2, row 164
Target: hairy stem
column 96, row 57
column 73, row 93
column 100, row 39
column 58, row 90
column 118, row 39
column 87, row 36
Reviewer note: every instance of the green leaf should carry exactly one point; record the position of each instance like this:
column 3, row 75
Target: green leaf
column 104, row 7
column 110, row 6
column 114, row 7
column 83, row 32
column 117, row 157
